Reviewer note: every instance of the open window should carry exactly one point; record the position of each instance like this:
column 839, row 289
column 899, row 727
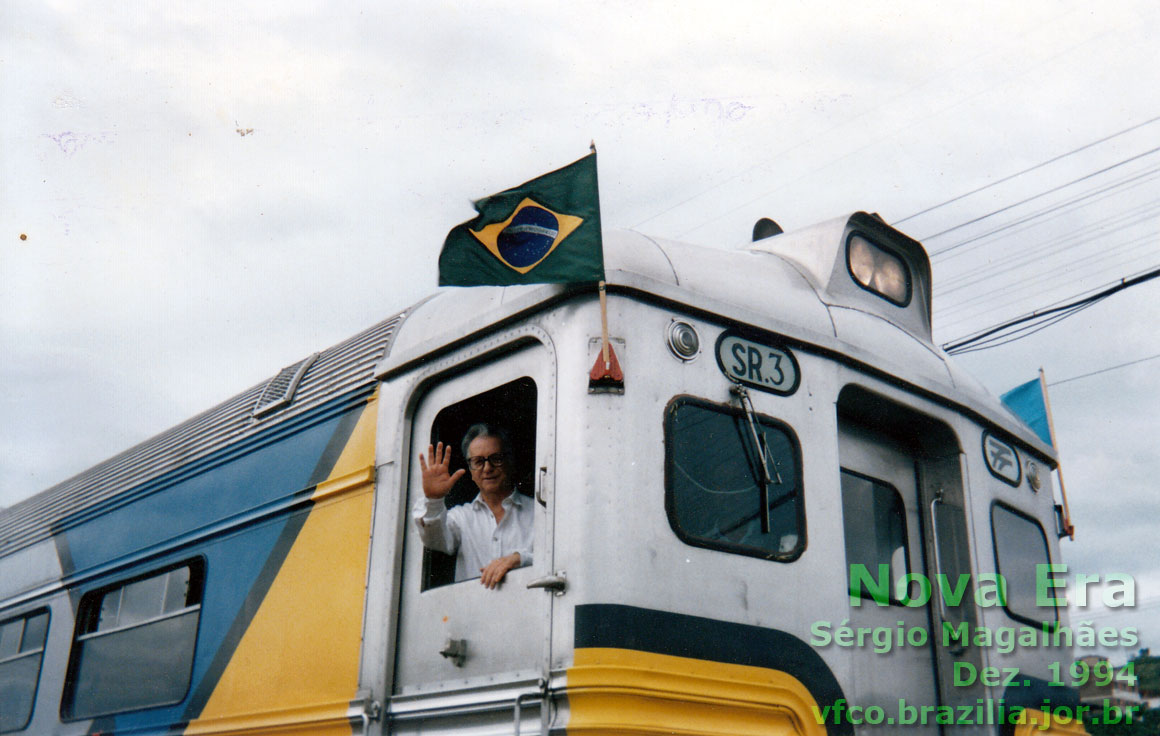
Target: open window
column 511, row 407
column 135, row 642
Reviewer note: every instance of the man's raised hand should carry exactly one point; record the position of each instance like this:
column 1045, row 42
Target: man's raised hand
column 437, row 478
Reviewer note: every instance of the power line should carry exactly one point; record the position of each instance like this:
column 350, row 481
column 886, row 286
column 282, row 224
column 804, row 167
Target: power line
column 1021, row 202
column 957, row 345
column 1106, row 259
column 1105, row 370
column 1087, row 198
column 1049, row 161
column 1025, row 331
column 1017, row 292
column 1075, row 238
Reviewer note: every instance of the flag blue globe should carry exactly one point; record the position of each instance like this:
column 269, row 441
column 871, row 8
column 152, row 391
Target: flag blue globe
column 528, row 237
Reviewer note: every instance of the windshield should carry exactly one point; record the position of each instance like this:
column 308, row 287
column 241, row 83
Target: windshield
column 714, row 481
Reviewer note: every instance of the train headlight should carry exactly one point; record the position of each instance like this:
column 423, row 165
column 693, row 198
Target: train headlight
column 878, row 270
column 683, row 340
column 1034, row 479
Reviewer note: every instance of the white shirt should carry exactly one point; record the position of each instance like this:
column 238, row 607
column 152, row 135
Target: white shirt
column 469, row 531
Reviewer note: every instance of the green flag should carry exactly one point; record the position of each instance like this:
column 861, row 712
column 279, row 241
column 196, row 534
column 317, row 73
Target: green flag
column 546, row 230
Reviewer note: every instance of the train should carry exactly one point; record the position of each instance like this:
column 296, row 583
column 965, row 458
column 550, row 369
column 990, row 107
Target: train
column 751, row 527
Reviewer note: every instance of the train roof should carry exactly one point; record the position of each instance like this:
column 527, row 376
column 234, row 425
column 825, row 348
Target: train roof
column 791, row 284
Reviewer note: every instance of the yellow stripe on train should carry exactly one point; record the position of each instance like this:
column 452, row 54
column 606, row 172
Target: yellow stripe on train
column 618, row 691
column 296, row 667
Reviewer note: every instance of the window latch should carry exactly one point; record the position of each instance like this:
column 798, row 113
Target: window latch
column 455, row 650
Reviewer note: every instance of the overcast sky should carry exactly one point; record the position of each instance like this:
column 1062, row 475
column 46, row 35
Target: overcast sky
column 195, row 195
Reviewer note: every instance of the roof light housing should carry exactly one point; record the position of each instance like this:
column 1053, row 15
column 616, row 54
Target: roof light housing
column 877, row 269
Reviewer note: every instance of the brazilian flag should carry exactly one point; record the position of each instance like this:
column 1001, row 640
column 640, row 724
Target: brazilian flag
column 546, row 230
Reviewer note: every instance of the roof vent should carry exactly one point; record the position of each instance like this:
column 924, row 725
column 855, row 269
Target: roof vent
column 279, row 392
column 765, row 228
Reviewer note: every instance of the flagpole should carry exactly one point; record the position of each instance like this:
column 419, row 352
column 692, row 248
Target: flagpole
column 604, row 326
column 1067, row 525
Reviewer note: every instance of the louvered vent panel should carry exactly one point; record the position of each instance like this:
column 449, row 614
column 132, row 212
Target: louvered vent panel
column 280, row 390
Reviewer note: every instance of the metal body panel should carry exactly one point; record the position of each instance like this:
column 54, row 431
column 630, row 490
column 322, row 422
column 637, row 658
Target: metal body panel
column 505, row 630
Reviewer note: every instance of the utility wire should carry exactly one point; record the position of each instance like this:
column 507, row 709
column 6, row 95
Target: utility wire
column 1138, row 179
column 1105, row 370
column 1049, row 161
column 1075, row 238
column 1025, row 331
column 1102, row 260
column 1085, row 177
column 1017, row 296
column 957, row 345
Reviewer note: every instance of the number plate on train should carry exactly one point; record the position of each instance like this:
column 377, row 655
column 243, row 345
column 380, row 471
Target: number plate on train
column 755, row 364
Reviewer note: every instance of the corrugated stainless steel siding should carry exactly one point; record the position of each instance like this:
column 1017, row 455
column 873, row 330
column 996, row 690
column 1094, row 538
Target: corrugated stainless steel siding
column 338, row 370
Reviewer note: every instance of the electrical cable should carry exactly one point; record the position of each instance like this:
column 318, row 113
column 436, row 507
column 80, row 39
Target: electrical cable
column 1139, row 179
column 1104, row 370
column 1031, row 283
column 1019, row 296
column 1085, row 177
column 1030, row 169
column 1127, row 283
column 1054, row 245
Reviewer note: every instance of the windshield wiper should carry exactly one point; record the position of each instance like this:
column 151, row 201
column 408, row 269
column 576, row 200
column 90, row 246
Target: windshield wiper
column 762, row 451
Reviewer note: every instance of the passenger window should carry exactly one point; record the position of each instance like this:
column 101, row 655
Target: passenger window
column 713, row 477
column 511, row 408
column 1020, row 545
column 134, row 643
column 874, row 519
column 21, row 651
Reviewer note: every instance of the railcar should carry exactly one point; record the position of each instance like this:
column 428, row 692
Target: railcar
column 782, row 419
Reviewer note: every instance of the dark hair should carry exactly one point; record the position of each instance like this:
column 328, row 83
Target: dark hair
column 482, row 429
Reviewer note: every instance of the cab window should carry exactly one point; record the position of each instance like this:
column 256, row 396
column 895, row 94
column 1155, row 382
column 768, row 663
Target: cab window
column 511, row 407
column 874, row 520
column 1020, row 545
column 713, row 479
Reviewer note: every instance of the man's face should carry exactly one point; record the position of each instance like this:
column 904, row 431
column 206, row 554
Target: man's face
column 489, row 478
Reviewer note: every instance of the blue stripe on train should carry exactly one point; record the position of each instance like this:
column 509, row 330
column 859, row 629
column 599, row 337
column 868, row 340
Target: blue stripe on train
column 258, row 485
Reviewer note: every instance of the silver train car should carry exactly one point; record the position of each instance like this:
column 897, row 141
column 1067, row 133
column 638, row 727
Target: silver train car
column 785, row 517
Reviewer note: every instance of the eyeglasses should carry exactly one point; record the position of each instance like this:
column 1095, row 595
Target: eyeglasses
column 476, row 463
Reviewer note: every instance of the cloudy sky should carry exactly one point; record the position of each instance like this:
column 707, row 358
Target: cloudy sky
column 195, row 195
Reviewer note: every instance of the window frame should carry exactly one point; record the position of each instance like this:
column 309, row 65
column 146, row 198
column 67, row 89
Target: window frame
column 25, row 617
column 437, row 567
column 1053, row 624
column 88, row 615
column 906, row 269
column 730, row 547
column 893, row 599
